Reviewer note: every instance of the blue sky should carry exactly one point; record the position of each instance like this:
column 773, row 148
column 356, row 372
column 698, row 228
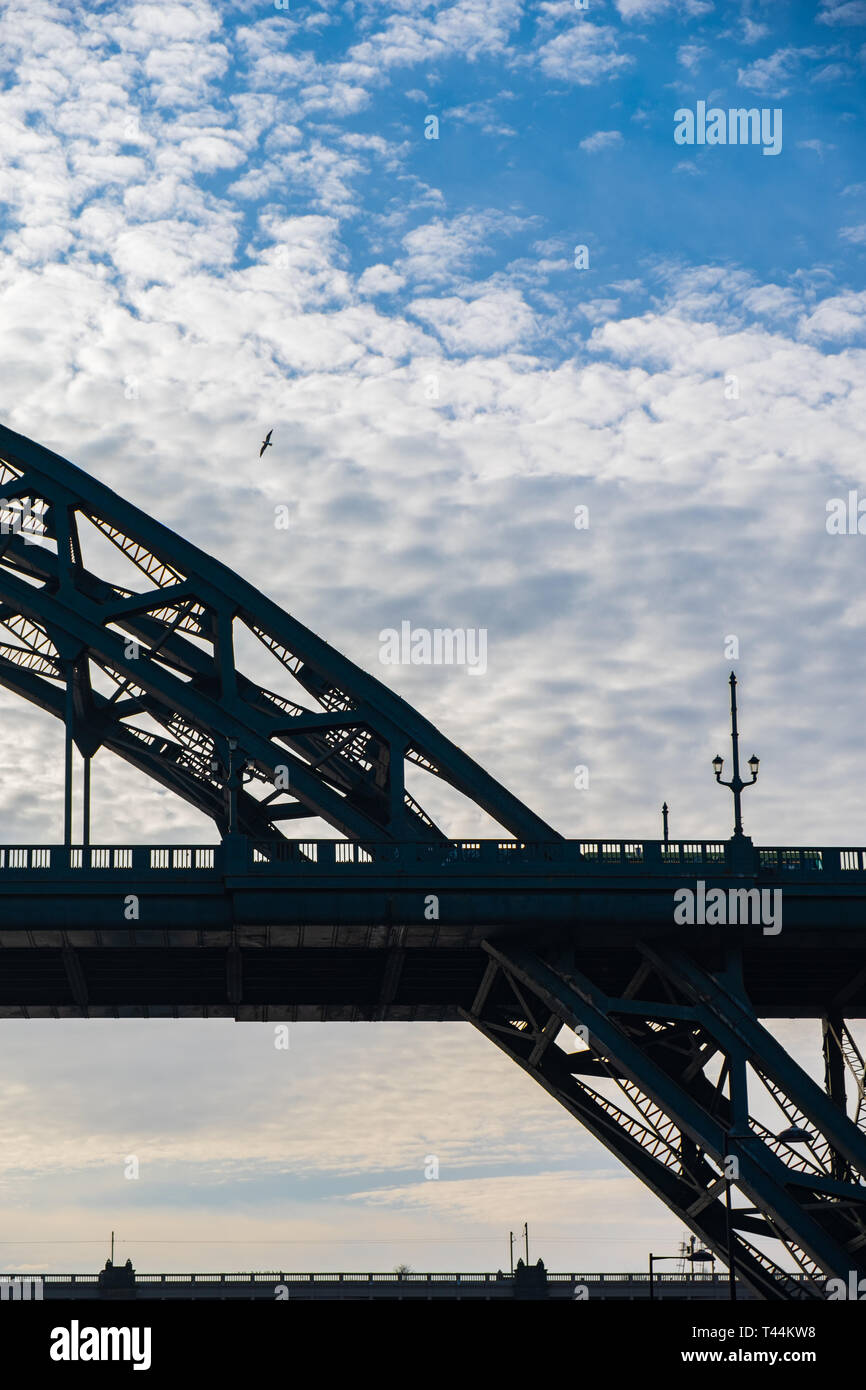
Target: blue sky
column 218, row 219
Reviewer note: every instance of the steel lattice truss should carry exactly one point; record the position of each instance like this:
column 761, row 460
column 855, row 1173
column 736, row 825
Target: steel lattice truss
column 176, row 697
column 667, row 1081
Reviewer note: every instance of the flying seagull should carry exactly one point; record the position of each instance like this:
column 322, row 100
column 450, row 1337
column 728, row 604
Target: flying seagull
column 266, row 443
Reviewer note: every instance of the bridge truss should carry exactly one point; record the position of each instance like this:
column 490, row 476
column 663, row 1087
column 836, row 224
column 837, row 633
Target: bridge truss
column 665, row 1062
column 115, row 660
column 687, row 1058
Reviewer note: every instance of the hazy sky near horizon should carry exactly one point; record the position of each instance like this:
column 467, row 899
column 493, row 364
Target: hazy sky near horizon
column 221, row 219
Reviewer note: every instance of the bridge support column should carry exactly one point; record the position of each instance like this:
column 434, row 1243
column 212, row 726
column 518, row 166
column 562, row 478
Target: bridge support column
column 68, row 768
column 85, row 799
column 832, row 1028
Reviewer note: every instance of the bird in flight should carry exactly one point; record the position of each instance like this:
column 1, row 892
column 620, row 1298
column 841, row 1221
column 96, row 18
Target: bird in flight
column 266, row 444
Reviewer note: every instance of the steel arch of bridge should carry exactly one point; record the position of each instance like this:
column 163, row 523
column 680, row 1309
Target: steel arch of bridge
column 168, row 653
column 672, row 1059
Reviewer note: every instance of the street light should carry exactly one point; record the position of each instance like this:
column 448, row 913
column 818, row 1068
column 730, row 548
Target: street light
column 736, row 783
column 795, row 1135
column 694, row 1257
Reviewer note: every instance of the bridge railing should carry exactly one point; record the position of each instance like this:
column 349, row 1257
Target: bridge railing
column 591, row 855
column 687, row 858
column 125, row 858
column 684, row 857
column 295, row 1277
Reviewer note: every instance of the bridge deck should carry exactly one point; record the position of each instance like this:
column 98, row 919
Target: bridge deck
column 349, row 931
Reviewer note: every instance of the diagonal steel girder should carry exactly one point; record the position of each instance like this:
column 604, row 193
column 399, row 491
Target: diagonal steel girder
column 817, row 1219
column 735, row 1026
column 165, row 759
column 159, row 757
column 131, row 613
column 654, row 1158
column 202, row 710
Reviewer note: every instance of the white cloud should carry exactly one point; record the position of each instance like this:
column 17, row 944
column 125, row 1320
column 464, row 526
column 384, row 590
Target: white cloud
column 486, row 114
column 601, row 140
column 145, row 26
column 447, row 247
column 599, row 310
column 688, row 166
column 492, row 321
column 205, row 152
column 842, row 12
column 324, row 173
column 338, row 98
column 166, row 250
column 183, row 74
column 690, row 55
column 834, row 73
column 774, row 301
column 819, row 146
column 469, row 28
column 586, row 54
column 550, row 12
column 391, row 154
column 772, row 76
column 651, row 9
column 841, row 318
column 751, row 31
column 642, row 9
column 380, row 279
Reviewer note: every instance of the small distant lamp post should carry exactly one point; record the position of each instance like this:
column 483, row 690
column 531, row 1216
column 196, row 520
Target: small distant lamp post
column 694, row 1257
column 736, row 783
column 665, row 821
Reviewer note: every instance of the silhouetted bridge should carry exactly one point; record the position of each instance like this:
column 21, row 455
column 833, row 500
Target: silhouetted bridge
column 411, row 1287
column 568, row 955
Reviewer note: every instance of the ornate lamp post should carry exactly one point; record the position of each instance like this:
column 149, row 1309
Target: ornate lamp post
column 736, row 783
